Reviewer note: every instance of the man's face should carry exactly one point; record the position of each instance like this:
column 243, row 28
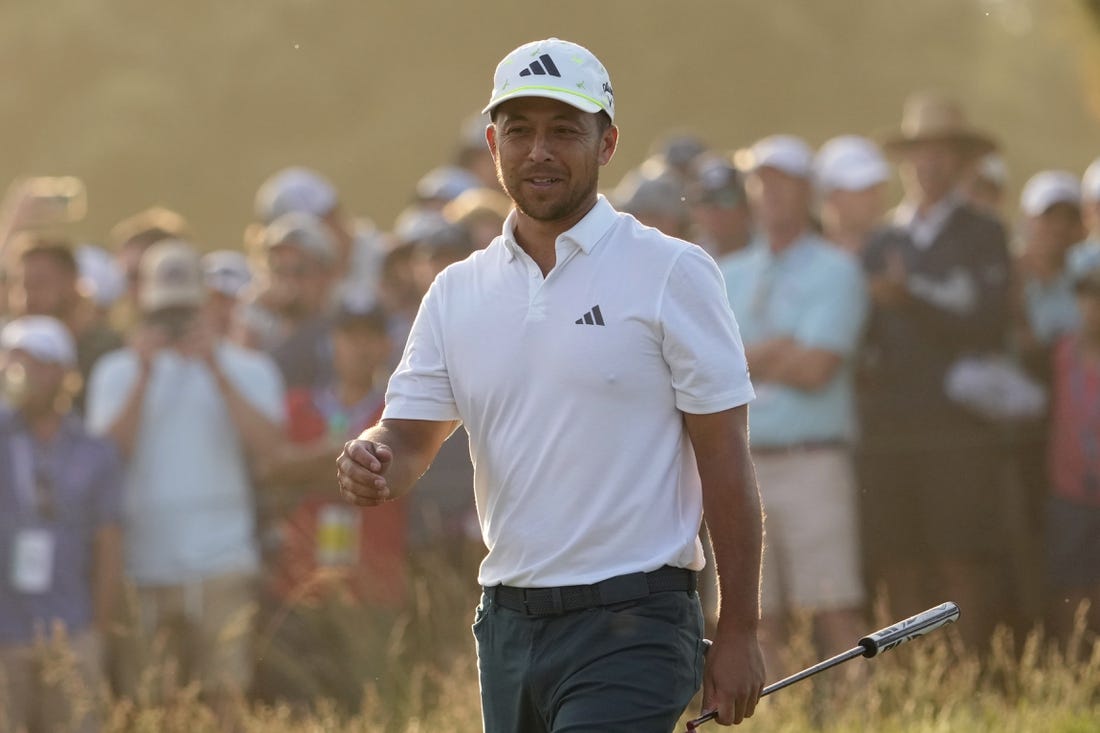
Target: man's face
column 856, row 211
column 1056, row 229
column 1090, row 210
column 32, row 385
column 43, row 287
column 548, row 156
column 778, row 198
column 299, row 282
column 932, row 169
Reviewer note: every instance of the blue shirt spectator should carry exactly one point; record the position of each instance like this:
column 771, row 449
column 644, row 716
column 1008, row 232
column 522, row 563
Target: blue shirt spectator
column 814, row 293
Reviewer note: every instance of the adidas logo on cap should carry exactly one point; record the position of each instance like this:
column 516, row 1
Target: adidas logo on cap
column 554, row 69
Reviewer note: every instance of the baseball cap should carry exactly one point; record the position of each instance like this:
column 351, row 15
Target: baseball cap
column 785, row 153
column 716, row 181
column 43, row 337
column 294, row 189
column 554, row 69
column 639, row 194
column 445, row 183
column 1090, row 183
column 992, row 168
column 171, row 276
column 226, row 271
column 301, row 230
column 1047, row 188
column 850, row 163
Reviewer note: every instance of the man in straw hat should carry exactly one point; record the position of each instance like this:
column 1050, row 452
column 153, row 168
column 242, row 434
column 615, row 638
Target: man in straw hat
column 598, row 369
column 940, row 284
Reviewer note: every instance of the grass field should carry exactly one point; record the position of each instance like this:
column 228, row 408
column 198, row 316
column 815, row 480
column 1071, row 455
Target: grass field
column 416, row 686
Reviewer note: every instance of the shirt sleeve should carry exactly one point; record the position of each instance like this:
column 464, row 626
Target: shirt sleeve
column 700, row 339
column 420, row 387
column 264, row 388
column 109, row 387
column 836, row 321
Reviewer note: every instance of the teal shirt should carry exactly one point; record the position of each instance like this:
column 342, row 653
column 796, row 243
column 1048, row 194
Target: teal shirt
column 815, row 293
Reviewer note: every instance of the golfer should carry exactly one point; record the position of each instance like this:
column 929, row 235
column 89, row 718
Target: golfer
column 599, row 372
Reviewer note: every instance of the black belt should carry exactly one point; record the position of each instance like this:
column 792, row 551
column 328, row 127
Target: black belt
column 566, row 598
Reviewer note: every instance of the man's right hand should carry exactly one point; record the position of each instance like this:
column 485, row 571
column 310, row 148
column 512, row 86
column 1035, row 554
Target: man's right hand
column 361, row 470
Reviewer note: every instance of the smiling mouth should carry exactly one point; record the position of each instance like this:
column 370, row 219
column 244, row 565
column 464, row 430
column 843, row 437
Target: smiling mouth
column 544, row 181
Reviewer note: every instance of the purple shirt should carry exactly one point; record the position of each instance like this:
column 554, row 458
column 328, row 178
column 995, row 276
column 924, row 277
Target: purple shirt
column 77, row 490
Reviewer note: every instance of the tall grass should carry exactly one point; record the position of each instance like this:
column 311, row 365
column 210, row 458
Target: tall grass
column 932, row 685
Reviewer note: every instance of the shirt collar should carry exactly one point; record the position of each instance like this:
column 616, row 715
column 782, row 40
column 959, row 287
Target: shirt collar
column 907, row 217
column 584, row 235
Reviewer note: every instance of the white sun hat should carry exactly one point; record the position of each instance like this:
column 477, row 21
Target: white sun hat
column 1047, row 188
column 850, row 163
column 1090, row 184
column 786, row 153
column 554, row 69
column 43, row 337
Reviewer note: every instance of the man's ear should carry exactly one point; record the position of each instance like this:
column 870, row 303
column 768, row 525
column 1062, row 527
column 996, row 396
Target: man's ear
column 491, row 139
column 608, row 144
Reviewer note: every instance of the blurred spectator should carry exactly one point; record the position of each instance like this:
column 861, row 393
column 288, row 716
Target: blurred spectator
column 433, row 252
column 1050, row 224
column 800, row 303
column 1073, row 510
column 985, row 188
column 482, row 211
column 192, row 414
column 675, row 153
column 101, row 279
column 721, row 222
column 851, row 177
column 657, row 201
column 226, row 275
column 60, row 541
column 291, row 317
column 358, row 246
column 444, row 184
column 1090, row 201
column 324, row 551
column 473, row 152
column 45, row 282
column 940, row 282
column 129, row 239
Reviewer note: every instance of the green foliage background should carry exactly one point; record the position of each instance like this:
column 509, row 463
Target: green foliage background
column 191, row 103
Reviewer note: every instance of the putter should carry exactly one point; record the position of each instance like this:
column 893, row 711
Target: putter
column 869, row 646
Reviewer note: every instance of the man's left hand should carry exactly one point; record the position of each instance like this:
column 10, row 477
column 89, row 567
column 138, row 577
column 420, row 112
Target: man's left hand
column 733, row 677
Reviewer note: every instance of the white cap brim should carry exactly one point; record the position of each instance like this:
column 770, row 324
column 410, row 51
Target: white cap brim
column 573, row 99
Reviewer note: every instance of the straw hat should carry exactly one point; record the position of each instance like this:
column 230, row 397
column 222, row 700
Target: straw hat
column 928, row 116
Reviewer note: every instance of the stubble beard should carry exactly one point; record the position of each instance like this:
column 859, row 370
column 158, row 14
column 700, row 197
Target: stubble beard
column 548, row 210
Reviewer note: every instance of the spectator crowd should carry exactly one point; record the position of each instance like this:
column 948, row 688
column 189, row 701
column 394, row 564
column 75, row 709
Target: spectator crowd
column 926, row 427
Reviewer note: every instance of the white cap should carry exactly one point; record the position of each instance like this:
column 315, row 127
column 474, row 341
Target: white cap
column 43, row 337
column 294, row 189
column 850, row 163
column 1090, row 183
column 100, row 275
column 992, row 168
column 304, row 231
column 415, row 223
column 786, row 153
column 171, row 276
column 445, row 183
column 226, row 271
column 1047, row 188
column 554, row 69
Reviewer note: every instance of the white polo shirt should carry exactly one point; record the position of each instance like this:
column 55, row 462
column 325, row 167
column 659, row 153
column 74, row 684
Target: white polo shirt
column 572, row 388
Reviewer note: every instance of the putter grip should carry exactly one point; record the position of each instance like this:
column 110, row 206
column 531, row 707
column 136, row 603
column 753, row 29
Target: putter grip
column 886, row 639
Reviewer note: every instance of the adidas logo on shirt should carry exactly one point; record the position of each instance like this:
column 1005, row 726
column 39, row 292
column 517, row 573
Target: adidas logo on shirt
column 542, row 69
column 591, row 318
